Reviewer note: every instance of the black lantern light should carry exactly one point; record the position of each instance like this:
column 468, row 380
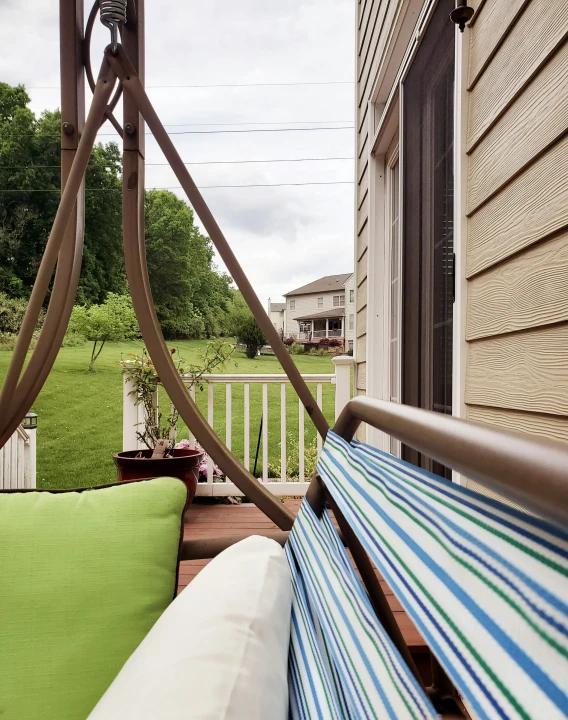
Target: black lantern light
column 30, row 421
column 461, row 14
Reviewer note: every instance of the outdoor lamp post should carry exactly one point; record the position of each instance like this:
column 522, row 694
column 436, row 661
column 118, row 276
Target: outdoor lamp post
column 30, row 421
column 29, row 424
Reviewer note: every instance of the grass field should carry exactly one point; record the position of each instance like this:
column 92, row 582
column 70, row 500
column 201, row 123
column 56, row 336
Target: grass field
column 80, row 413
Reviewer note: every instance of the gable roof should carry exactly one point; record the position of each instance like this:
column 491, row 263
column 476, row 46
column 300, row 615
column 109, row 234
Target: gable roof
column 277, row 307
column 324, row 284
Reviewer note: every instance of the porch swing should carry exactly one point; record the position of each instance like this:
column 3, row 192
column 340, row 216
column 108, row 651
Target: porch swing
column 485, row 583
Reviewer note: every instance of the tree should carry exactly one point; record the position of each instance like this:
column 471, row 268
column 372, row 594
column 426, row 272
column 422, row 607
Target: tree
column 191, row 298
column 112, row 321
column 247, row 331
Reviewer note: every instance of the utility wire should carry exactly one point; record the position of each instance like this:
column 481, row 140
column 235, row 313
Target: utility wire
column 200, row 187
column 204, row 162
column 220, row 85
column 202, row 132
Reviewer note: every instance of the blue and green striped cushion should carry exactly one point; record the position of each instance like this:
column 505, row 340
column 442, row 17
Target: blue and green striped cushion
column 486, row 584
column 342, row 662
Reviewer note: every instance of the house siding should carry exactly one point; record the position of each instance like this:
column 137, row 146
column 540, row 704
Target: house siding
column 374, row 23
column 517, row 207
column 306, row 305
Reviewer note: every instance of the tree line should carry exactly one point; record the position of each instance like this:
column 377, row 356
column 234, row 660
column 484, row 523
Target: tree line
column 192, row 298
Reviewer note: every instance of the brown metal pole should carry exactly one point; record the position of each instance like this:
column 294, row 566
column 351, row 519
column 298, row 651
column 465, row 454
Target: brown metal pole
column 206, row 548
column 135, row 89
column 70, row 255
column 103, row 89
column 137, row 273
column 528, row 470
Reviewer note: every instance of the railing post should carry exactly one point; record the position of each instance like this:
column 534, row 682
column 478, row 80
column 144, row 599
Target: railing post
column 129, row 416
column 30, row 462
column 342, row 382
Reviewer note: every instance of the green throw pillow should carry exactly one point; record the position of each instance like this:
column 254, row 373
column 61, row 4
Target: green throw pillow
column 83, row 577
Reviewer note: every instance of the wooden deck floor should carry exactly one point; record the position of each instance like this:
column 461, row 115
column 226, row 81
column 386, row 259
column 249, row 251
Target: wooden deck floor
column 214, row 520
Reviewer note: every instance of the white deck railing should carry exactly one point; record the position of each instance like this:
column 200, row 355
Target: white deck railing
column 341, row 380
column 18, row 461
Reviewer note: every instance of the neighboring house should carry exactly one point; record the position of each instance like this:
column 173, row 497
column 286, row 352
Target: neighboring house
column 277, row 315
column 350, row 313
column 461, row 251
column 318, row 310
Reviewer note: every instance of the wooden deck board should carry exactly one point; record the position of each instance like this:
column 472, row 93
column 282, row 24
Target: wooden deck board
column 217, row 520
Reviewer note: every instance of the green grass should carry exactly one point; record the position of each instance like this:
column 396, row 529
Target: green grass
column 80, row 413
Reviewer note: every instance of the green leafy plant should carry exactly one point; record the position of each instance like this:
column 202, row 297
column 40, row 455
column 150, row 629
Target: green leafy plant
column 247, row 332
column 297, row 349
column 111, row 321
column 293, row 460
column 139, row 369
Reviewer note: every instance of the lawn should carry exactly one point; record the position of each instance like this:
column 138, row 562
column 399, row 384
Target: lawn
column 80, row 413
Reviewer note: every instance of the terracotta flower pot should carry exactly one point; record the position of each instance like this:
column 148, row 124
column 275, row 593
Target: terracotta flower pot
column 183, row 465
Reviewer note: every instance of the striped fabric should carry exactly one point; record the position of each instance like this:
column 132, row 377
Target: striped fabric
column 486, row 584
column 342, row 662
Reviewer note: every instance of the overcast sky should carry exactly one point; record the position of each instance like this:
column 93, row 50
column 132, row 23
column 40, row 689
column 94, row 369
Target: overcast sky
column 283, row 236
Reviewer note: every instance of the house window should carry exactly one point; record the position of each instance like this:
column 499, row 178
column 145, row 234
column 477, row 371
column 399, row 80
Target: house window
column 320, row 303
column 339, row 301
column 292, row 304
column 351, row 321
column 428, row 189
column 352, row 296
column 350, row 346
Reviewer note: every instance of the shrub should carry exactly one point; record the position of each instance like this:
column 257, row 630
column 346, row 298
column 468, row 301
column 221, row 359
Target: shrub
column 288, row 341
column 247, row 332
column 73, row 339
column 8, row 341
column 318, row 353
column 12, row 311
column 335, row 342
column 293, row 460
column 350, row 353
column 324, row 342
column 297, row 349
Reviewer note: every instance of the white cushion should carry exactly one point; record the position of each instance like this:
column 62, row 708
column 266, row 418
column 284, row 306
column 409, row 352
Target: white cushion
column 220, row 650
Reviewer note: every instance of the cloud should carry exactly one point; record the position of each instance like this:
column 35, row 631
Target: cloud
column 284, row 236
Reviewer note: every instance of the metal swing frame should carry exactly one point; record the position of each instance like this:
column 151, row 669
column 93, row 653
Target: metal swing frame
column 526, row 470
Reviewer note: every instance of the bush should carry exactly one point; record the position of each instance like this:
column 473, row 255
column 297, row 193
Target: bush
column 318, row 353
column 297, row 349
column 73, row 339
column 350, row 353
column 247, row 332
column 288, row 341
column 293, row 460
column 8, row 341
column 12, row 311
column 324, row 342
column 335, row 342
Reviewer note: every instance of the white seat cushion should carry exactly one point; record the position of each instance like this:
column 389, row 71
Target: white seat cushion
column 220, row 650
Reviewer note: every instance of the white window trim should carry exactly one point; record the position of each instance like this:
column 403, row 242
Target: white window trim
column 384, row 114
column 318, row 302
column 292, row 304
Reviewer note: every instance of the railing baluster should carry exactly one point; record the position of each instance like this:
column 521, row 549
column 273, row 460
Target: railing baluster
column 301, row 441
column 319, row 399
column 247, row 426
column 264, row 432
column 283, row 432
column 2, row 476
column 228, row 415
column 192, row 395
column 21, row 466
column 210, row 420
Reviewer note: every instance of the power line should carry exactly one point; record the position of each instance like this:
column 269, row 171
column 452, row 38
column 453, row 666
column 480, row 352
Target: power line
column 203, row 132
column 204, row 162
column 200, row 187
column 220, row 85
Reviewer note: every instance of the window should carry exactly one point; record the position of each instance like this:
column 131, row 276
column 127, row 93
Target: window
column 274, row 325
column 352, row 296
column 320, row 303
column 339, row 301
column 292, row 304
column 351, row 321
column 350, row 346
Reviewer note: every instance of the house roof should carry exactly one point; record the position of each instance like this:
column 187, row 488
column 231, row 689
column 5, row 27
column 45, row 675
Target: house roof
column 277, row 307
column 335, row 313
column 324, row 284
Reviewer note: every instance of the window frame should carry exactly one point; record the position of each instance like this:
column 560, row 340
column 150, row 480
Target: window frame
column 292, row 304
column 320, row 303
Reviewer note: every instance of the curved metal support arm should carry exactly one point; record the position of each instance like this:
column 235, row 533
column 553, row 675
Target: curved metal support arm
column 134, row 88
column 103, row 89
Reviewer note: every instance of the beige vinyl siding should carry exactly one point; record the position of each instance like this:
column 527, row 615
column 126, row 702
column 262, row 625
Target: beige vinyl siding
column 375, row 21
column 517, row 236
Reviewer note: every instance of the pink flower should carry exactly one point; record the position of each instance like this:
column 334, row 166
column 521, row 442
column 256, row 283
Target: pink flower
column 183, row 445
column 173, row 351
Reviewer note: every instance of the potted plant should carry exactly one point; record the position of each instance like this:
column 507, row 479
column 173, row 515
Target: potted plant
column 162, row 457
